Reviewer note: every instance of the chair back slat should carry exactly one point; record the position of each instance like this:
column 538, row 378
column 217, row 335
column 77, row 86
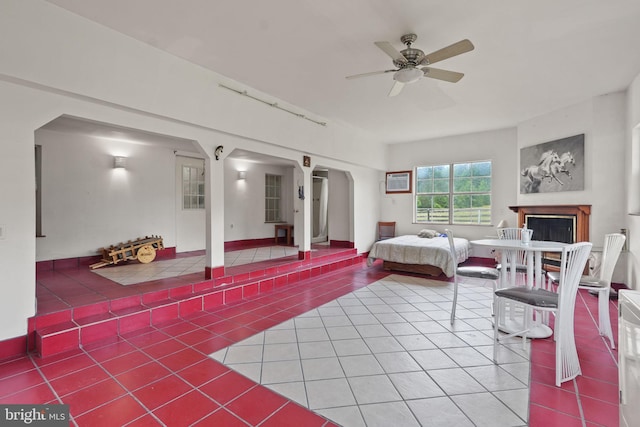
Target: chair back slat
column 574, row 259
column 452, row 248
column 513, row 234
column 613, row 244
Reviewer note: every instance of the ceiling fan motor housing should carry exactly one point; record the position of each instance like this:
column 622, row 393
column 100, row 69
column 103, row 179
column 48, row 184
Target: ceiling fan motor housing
column 413, row 56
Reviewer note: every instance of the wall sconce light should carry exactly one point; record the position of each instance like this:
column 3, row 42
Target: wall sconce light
column 242, row 174
column 119, row 162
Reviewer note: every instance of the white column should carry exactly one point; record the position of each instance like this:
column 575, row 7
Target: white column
column 17, row 220
column 302, row 206
column 214, row 203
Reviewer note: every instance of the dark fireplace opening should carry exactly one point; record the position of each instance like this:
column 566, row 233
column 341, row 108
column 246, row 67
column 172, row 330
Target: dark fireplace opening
column 560, row 219
column 552, row 228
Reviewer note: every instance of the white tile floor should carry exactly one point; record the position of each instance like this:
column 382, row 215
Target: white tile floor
column 134, row 272
column 387, row 355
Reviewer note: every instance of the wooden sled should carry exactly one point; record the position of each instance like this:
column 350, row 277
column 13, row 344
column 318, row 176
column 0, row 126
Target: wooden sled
column 143, row 249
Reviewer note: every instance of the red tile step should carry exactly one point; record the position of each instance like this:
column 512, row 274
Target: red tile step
column 69, row 329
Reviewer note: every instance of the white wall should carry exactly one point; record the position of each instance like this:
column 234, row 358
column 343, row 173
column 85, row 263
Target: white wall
column 363, row 214
column 632, row 177
column 338, row 217
column 87, row 204
column 499, row 146
column 74, row 55
column 64, row 64
column 25, row 109
column 244, row 199
column 602, row 120
column 17, row 216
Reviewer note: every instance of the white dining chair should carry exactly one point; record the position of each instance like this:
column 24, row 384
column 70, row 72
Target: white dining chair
column 477, row 272
column 520, row 260
column 513, row 258
column 521, row 256
column 562, row 303
column 613, row 244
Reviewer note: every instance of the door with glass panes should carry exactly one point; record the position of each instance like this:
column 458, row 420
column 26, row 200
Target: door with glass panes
column 190, row 210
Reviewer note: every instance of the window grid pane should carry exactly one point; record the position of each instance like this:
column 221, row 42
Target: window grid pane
column 192, row 187
column 272, row 190
column 459, row 193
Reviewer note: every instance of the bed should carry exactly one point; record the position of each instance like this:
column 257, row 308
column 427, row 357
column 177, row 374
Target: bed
column 422, row 255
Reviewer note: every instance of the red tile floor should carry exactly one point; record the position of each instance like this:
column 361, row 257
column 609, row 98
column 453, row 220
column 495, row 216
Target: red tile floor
column 163, row 375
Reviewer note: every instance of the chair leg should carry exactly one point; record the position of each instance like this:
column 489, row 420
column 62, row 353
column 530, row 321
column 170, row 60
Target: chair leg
column 527, row 326
column 567, row 361
column 496, row 318
column 455, row 299
column 495, row 288
column 604, row 322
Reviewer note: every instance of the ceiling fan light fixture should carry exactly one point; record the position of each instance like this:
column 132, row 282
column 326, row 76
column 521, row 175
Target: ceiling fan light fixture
column 408, row 75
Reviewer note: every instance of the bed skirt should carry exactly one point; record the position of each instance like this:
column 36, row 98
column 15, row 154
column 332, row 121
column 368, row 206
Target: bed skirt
column 431, row 270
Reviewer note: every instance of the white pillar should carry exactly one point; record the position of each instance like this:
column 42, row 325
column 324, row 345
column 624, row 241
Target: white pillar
column 17, row 220
column 302, row 224
column 214, row 204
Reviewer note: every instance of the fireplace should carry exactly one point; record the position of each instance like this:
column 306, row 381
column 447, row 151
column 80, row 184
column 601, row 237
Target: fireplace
column 558, row 223
column 552, row 228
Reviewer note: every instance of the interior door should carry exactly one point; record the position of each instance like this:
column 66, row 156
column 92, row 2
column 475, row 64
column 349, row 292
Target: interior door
column 190, row 209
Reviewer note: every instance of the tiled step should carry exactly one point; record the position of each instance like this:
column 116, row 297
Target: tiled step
column 70, row 329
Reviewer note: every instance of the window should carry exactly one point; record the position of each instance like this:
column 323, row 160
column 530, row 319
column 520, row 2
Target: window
column 192, row 187
column 458, row 193
column 272, row 194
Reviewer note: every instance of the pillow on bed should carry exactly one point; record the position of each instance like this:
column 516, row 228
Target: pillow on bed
column 429, row 234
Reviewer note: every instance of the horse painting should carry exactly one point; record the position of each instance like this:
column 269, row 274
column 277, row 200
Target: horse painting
column 553, row 166
column 536, row 173
column 561, row 166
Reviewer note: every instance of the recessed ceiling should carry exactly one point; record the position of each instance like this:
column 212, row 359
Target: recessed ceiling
column 68, row 124
column 80, row 126
column 530, row 57
column 252, row 157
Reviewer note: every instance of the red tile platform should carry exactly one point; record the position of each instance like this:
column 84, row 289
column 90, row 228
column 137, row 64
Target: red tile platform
column 54, row 331
column 161, row 375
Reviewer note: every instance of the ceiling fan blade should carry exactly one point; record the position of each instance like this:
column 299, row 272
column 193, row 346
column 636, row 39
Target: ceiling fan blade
column 396, row 88
column 458, row 48
column 387, row 48
column 373, row 73
column 447, row 76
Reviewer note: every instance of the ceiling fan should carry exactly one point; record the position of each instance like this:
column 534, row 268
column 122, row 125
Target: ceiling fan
column 407, row 62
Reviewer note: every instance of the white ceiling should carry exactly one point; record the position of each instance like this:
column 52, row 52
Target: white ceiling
column 108, row 131
column 530, row 57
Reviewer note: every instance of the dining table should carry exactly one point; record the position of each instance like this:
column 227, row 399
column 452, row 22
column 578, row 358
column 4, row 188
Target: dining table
column 535, row 277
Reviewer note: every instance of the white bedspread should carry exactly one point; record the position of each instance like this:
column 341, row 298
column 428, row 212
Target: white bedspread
column 412, row 249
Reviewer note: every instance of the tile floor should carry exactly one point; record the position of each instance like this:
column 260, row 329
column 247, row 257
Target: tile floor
column 165, row 375
column 132, row 273
column 387, row 355
column 58, row 290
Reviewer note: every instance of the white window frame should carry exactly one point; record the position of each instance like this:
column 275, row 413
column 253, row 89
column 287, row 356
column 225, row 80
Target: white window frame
column 192, row 187
column 452, row 215
column 272, row 198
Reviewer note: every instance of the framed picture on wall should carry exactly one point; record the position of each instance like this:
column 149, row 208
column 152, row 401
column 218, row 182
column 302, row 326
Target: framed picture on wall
column 553, row 166
column 398, row 182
